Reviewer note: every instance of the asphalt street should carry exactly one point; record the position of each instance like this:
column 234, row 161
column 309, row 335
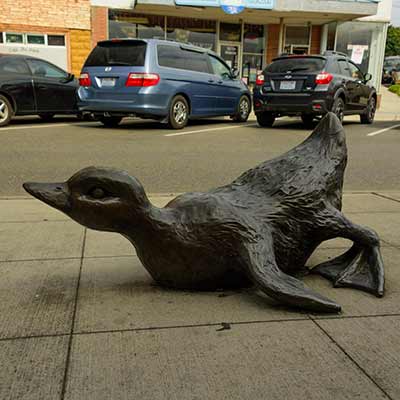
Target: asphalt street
column 206, row 154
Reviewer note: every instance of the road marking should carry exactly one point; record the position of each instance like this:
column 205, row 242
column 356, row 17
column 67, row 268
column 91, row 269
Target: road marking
column 209, row 130
column 383, row 130
column 11, row 128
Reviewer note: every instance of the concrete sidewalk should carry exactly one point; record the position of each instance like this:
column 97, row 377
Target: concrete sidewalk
column 81, row 319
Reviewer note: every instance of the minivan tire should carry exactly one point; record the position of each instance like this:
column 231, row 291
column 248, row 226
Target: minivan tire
column 110, row 122
column 265, row 119
column 6, row 111
column 243, row 110
column 369, row 115
column 178, row 115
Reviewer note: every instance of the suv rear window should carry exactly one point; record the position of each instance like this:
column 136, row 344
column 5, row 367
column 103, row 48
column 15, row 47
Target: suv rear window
column 129, row 53
column 303, row 64
column 175, row 57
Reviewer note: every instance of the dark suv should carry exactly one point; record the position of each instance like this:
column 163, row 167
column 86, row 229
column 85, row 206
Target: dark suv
column 312, row 85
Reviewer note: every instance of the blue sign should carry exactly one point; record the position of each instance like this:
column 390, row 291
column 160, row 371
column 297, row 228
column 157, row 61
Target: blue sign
column 259, row 4
column 232, row 9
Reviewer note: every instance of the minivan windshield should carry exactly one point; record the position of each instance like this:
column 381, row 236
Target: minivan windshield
column 118, row 53
column 296, row 64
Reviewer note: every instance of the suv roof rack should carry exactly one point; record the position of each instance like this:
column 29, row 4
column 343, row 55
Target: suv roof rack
column 332, row 53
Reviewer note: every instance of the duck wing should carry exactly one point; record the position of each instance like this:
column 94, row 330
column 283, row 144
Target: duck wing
column 312, row 170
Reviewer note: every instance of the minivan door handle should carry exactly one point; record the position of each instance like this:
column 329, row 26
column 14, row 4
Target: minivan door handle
column 220, row 82
column 210, row 80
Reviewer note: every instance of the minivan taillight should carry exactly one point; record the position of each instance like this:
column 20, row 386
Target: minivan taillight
column 324, row 78
column 260, row 80
column 140, row 79
column 84, row 79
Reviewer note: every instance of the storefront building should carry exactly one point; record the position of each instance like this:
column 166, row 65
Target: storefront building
column 55, row 30
column 261, row 30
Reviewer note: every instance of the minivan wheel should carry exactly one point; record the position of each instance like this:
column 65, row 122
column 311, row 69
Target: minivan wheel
column 369, row 115
column 178, row 113
column 46, row 116
column 110, row 122
column 338, row 108
column 6, row 111
column 265, row 119
column 243, row 110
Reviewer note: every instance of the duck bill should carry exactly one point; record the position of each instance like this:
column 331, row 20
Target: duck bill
column 54, row 194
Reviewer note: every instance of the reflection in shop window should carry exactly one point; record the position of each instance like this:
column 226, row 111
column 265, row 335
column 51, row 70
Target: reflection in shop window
column 123, row 24
column 297, row 39
column 14, row 38
column 253, row 50
column 198, row 32
column 230, row 32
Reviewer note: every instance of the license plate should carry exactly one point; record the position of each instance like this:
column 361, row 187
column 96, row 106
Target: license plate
column 108, row 82
column 288, row 85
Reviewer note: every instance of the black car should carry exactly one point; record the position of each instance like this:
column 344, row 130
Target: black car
column 312, row 85
column 31, row 86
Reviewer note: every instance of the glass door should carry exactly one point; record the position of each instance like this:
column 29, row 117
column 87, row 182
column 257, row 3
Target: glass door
column 231, row 53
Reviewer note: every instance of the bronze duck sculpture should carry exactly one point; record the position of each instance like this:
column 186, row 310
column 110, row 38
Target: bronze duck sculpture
column 261, row 228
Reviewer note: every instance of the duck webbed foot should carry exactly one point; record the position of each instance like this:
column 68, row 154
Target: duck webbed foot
column 361, row 267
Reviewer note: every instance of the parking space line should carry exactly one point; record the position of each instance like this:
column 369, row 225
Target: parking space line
column 383, row 130
column 12, row 128
column 209, row 130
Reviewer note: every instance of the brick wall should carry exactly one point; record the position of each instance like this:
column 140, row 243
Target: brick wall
column 80, row 46
column 272, row 42
column 73, row 14
column 99, row 17
column 316, row 32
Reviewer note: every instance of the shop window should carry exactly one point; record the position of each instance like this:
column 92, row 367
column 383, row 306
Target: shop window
column 330, row 44
column 253, row 51
column 56, row 40
column 297, row 39
column 14, row 38
column 198, row 32
column 355, row 39
column 124, row 24
column 230, row 32
column 35, row 39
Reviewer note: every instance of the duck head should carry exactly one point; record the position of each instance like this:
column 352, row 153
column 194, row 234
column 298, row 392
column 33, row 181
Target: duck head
column 104, row 199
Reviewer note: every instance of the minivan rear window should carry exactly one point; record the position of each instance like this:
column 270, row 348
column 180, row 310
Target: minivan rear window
column 301, row 64
column 118, row 53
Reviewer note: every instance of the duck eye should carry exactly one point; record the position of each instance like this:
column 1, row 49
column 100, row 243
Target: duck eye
column 97, row 193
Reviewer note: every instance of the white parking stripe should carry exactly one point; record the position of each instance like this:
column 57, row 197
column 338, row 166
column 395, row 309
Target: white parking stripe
column 210, row 129
column 11, row 128
column 383, row 130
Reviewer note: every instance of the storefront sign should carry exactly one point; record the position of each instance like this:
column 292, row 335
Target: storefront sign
column 232, row 4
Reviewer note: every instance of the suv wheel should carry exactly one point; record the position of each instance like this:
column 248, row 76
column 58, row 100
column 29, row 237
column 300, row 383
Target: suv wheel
column 265, row 119
column 178, row 113
column 243, row 110
column 110, row 122
column 307, row 119
column 6, row 111
column 369, row 115
column 338, row 108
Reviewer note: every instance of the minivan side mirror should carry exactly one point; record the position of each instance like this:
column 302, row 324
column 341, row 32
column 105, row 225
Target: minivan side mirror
column 234, row 73
column 367, row 77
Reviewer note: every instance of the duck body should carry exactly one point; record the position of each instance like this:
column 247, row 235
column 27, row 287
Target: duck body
column 260, row 229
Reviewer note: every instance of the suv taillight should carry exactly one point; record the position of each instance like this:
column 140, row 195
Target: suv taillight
column 140, row 79
column 324, row 78
column 84, row 79
column 260, row 80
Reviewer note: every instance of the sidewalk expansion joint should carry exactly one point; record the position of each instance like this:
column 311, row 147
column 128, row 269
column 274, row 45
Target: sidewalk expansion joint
column 41, row 336
column 39, row 259
column 68, row 356
column 385, row 197
column 343, row 350
column 36, row 221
